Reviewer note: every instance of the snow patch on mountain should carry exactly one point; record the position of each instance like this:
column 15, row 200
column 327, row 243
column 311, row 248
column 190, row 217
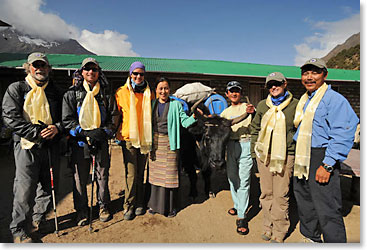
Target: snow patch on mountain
column 37, row 41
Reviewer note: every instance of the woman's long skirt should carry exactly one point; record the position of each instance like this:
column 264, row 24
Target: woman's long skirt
column 163, row 176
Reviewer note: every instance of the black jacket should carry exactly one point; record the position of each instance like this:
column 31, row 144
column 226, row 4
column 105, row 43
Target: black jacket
column 73, row 100
column 12, row 111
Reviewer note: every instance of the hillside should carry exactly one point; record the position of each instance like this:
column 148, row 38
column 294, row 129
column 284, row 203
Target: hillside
column 346, row 55
column 346, row 59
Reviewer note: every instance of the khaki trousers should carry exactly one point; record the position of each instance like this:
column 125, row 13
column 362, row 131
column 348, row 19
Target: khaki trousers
column 135, row 163
column 274, row 198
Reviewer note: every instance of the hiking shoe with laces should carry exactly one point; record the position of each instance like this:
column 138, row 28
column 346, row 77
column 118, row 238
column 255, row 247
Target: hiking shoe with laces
column 139, row 211
column 81, row 218
column 129, row 215
column 36, row 225
column 266, row 236
column 151, row 211
column 23, row 238
column 40, row 226
column 275, row 240
column 104, row 215
column 172, row 214
column 308, row 240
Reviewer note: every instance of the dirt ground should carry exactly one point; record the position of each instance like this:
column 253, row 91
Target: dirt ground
column 200, row 221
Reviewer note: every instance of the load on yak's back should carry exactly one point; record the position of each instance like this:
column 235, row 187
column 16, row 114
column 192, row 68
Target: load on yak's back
column 203, row 143
column 191, row 93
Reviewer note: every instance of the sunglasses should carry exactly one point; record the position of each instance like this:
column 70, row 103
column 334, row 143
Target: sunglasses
column 90, row 68
column 39, row 65
column 274, row 83
column 137, row 73
column 234, row 90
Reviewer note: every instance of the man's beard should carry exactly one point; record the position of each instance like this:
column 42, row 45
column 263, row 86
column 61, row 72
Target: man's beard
column 41, row 78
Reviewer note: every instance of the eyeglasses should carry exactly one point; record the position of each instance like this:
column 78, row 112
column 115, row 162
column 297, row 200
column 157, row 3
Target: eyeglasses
column 90, row 68
column 137, row 73
column 39, row 64
column 274, row 83
column 234, row 90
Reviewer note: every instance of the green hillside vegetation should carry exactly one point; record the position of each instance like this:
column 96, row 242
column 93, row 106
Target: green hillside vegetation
column 346, row 59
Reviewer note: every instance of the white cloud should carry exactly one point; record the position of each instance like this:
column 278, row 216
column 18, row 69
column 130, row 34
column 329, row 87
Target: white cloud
column 110, row 43
column 331, row 35
column 26, row 16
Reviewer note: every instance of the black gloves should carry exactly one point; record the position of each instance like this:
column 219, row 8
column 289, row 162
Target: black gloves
column 95, row 135
column 93, row 149
column 42, row 124
column 94, row 138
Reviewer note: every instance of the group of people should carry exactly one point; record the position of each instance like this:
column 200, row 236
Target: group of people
column 305, row 139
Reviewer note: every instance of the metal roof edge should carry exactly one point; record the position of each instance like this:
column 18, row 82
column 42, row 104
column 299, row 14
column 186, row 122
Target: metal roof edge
column 340, row 73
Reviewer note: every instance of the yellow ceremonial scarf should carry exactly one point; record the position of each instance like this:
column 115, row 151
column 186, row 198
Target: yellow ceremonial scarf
column 35, row 108
column 303, row 146
column 273, row 125
column 143, row 139
column 90, row 115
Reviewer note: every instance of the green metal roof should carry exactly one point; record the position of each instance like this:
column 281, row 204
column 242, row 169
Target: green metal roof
column 209, row 67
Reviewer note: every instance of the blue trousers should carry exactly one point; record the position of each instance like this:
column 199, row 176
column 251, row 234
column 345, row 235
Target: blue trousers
column 239, row 164
column 319, row 205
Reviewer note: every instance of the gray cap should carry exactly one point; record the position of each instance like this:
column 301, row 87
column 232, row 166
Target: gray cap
column 37, row 56
column 275, row 76
column 234, row 84
column 315, row 62
column 89, row 60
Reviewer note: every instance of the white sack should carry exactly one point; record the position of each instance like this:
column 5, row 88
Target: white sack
column 191, row 92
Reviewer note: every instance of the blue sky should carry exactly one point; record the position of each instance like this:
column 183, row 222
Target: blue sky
column 270, row 32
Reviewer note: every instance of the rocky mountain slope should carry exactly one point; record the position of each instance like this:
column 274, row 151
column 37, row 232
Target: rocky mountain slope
column 12, row 41
column 346, row 55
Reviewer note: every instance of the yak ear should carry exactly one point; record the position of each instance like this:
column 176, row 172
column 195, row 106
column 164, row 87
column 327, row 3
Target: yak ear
column 227, row 123
column 199, row 116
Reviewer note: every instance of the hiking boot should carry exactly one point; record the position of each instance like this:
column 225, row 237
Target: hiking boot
column 151, row 211
column 23, row 238
column 308, row 240
column 81, row 218
column 266, row 236
column 104, row 215
column 40, row 226
column 139, row 211
column 36, row 225
column 275, row 240
column 129, row 215
column 172, row 214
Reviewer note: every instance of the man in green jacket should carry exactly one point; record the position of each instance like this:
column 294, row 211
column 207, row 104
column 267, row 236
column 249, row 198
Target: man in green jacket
column 272, row 144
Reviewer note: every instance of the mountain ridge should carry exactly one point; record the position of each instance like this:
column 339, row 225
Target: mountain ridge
column 345, row 55
column 13, row 41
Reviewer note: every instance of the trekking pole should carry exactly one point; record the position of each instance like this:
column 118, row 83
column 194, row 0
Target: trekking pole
column 92, row 189
column 247, row 99
column 52, row 182
column 53, row 191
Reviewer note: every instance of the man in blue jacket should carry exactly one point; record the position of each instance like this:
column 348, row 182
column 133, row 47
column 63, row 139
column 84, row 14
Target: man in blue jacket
column 326, row 124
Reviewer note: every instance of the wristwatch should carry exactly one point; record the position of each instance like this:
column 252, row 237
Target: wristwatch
column 328, row 168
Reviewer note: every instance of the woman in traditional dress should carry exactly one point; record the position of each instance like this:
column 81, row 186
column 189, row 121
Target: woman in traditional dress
column 167, row 116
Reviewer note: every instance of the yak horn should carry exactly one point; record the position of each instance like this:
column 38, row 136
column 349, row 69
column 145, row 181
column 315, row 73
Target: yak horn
column 239, row 119
column 196, row 104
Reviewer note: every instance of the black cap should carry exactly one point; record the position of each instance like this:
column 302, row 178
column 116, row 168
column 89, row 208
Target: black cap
column 233, row 84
